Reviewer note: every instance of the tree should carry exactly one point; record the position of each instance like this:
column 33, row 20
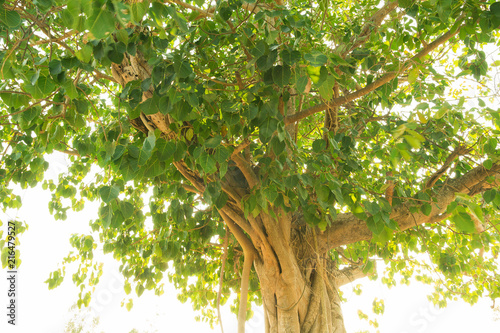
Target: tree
column 282, row 146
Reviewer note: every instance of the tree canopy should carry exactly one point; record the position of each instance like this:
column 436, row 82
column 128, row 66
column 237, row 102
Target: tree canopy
column 271, row 148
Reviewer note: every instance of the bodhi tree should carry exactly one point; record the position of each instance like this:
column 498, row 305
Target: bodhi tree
column 268, row 148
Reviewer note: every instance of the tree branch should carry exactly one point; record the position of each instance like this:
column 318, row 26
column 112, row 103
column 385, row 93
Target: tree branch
column 386, row 78
column 245, row 281
column 203, row 13
column 435, row 177
column 348, row 229
column 189, row 176
column 369, row 27
column 245, row 168
column 238, row 233
column 350, row 274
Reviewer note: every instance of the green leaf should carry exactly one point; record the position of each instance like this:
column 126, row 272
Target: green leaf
column 85, row 53
column 267, row 129
column 165, row 149
column 225, row 12
column 128, row 168
column 318, row 145
column 413, row 75
column 43, row 87
column 221, row 154
column 82, row 106
column 376, row 226
column 154, row 168
column 495, row 9
column 105, row 214
column 137, row 11
column 265, row 62
column 149, row 143
column 281, row 75
column 139, row 289
column 426, row 209
column 326, row 88
column 302, row 83
column 126, row 208
column 464, row 223
column 183, row 68
column 314, row 73
column 414, row 142
column 144, row 156
column 10, row 18
column 207, row 163
column 290, row 57
column 441, row 112
column 323, row 193
column 55, row 67
column 488, row 164
column 489, row 195
column 316, row 59
column 109, row 193
column 70, row 89
column 129, row 305
column 178, row 18
column 155, row 104
column 213, row 142
column 101, row 23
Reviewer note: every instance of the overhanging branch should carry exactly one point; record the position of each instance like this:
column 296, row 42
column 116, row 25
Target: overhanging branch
column 386, row 78
column 350, row 274
column 348, row 229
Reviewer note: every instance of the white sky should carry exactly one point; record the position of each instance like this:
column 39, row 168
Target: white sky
column 46, row 242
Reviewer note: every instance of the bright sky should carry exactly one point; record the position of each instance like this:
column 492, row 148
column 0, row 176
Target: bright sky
column 46, row 242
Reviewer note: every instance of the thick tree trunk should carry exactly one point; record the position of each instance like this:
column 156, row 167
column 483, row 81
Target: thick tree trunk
column 303, row 300
column 299, row 288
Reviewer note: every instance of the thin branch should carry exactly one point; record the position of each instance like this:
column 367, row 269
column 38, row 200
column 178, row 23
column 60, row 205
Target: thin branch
column 435, row 177
column 98, row 75
column 203, row 13
column 386, row 78
column 350, row 274
column 69, row 152
column 190, row 188
column 14, row 92
column 146, row 123
column 64, row 36
column 188, row 174
column 247, row 171
column 240, row 147
column 245, row 282
column 368, row 29
column 29, row 107
column 238, row 233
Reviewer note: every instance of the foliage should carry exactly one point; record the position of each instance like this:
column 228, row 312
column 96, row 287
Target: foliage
column 81, row 321
column 173, row 112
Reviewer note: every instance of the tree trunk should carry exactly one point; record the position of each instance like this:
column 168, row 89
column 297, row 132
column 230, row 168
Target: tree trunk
column 299, row 283
column 299, row 288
